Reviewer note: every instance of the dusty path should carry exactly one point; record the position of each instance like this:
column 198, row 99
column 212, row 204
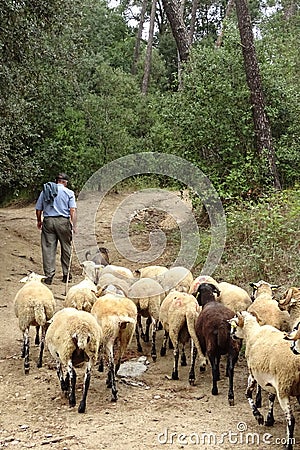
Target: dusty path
column 156, row 412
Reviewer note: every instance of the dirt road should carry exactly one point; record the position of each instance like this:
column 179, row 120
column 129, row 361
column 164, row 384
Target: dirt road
column 152, row 412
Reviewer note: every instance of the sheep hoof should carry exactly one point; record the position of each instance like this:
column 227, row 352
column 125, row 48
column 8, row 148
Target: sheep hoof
column 231, row 401
column 154, row 358
column 269, row 422
column 26, row 370
column 192, row 382
column 175, row 376
column 81, row 408
column 114, row 399
column 260, row 419
column 214, row 391
column 163, row 351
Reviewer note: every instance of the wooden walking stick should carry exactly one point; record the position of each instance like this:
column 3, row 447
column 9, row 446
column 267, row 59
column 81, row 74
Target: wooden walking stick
column 69, row 268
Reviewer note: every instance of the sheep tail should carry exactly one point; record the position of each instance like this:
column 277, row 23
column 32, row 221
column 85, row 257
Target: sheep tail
column 124, row 320
column 190, row 321
column 40, row 315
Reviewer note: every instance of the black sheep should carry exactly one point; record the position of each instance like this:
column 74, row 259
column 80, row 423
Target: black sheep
column 213, row 332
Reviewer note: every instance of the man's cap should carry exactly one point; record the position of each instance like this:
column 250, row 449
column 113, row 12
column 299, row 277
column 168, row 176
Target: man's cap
column 62, row 176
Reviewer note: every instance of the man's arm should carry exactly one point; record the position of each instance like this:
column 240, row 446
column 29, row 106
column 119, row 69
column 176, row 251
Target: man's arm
column 73, row 218
column 39, row 218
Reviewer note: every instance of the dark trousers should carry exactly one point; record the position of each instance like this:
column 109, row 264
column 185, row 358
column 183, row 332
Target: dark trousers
column 56, row 229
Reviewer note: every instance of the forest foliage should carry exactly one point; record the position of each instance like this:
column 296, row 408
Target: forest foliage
column 68, row 99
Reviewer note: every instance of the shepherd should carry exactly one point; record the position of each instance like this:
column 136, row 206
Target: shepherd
column 57, row 204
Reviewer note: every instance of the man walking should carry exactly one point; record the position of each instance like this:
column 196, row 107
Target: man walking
column 58, row 205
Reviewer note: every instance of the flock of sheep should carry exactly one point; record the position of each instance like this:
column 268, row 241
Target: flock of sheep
column 106, row 308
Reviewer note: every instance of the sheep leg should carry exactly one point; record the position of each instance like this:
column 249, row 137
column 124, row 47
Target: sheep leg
column 163, row 349
column 183, row 357
column 290, row 420
column 100, row 359
column 214, row 361
column 111, row 378
column 146, row 336
column 42, row 346
column 37, row 335
column 86, row 385
column 258, row 396
column 249, row 391
column 72, row 378
column 176, row 359
column 193, row 359
column 230, row 371
column 153, row 348
column 137, row 336
column 270, row 417
column 140, row 325
column 25, row 353
column 64, row 383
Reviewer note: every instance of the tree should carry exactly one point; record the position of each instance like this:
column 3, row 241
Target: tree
column 139, row 37
column 180, row 33
column 146, row 77
column 261, row 122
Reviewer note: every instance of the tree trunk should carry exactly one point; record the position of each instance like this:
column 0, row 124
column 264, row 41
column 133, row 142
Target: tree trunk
column 193, row 20
column 146, row 77
column 172, row 8
column 179, row 65
column 139, row 37
column 261, row 122
column 228, row 11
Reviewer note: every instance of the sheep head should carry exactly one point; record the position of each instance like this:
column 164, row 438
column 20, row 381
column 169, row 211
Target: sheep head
column 205, row 293
column 294, row 337
column 262, row 286
column 32, row 277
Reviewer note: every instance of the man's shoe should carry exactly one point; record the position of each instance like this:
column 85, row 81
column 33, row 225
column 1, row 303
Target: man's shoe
column 64, row 278
column 48, row 280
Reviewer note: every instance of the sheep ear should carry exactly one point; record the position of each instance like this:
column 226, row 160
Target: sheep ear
column 253, row 285
column 24, row 280
column 275, row 286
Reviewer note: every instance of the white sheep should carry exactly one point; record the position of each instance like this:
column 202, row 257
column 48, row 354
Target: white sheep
column 201, row 279
column 150, row 271
column 117, row 270
column 34, row 305
column 178, row 314
column 92, row 270
column 82, row 295
column 177, row 278
column 117, row 317
column 73, row 338
column 291, row 304
column 233, row 296
column 147, row 294
column 267, row 308
column 272, row 365
column 115, row 282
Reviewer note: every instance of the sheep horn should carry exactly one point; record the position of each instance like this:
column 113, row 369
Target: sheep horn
column 293, row 335
column 287, row 296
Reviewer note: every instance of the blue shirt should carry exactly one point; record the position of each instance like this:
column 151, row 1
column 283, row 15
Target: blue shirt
column 64, row 200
